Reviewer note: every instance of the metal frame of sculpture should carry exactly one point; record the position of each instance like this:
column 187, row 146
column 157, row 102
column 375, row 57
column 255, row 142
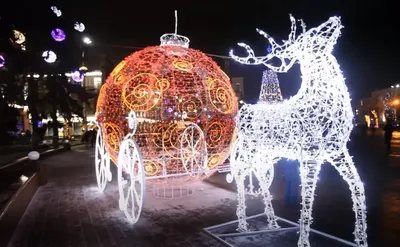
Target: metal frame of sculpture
column 163, row 84
column 312, row 127
column 184, row 127
column 131, row 171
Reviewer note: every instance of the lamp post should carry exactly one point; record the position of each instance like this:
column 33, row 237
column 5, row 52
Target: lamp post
column 85, row 42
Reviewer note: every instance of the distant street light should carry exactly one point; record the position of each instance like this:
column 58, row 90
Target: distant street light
column 396, row 102
column 87, row 40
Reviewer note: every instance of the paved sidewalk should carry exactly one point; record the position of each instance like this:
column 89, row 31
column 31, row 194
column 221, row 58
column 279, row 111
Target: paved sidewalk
column 70, row 211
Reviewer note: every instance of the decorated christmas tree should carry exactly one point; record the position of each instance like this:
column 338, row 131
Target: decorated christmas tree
column 389, row 111
column 270, row 90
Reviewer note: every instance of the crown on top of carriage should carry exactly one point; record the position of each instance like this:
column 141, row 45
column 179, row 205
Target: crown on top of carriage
column 174, row 39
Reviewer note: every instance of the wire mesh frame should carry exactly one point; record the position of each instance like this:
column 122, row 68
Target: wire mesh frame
column 294, row 226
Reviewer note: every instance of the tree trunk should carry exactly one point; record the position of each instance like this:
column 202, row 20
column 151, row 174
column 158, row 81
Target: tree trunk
column 32, row 101
column 55, row 126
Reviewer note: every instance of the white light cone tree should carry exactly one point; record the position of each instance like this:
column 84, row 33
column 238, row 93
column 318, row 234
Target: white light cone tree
column 270, row 91
column 312, row 127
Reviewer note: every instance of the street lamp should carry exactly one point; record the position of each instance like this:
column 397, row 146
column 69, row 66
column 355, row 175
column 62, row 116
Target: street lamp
column 87, row 40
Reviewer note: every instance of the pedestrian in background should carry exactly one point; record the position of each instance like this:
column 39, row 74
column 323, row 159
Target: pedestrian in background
column 93, row 139
column 85, row 138
column 388, row 128
column 291, row 175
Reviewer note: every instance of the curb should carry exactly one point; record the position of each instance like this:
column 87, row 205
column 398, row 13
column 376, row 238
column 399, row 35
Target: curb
column 15, row 208
column 42, row 155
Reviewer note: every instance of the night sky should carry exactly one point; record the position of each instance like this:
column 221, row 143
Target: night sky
column 367, row 51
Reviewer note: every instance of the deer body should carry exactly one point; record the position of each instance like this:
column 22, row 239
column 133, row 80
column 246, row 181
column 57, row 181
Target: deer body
column 312, row 127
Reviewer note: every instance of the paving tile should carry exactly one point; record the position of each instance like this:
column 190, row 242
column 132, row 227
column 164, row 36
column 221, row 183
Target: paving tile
column 70, row 211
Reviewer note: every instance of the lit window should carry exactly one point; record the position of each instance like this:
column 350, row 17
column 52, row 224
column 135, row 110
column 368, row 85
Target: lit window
column 97, row 82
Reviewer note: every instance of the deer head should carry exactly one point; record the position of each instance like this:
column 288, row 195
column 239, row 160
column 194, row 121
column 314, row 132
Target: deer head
column 311, row 42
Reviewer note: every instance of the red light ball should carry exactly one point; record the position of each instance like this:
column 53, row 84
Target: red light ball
column 159, row 83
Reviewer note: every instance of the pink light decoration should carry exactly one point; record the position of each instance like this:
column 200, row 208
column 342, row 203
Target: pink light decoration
column 58, row 34
column 2, row 61
column 77, row 76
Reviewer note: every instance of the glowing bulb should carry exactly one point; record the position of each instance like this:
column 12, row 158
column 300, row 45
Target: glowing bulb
column 56, row 11
column 79, row 26
column 58, row 34
column 77, row 76
column 87, row 40
column 49, row 56
column 2, row 61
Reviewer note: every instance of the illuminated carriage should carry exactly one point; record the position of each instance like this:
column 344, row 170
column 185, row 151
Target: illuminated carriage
column 180, row 125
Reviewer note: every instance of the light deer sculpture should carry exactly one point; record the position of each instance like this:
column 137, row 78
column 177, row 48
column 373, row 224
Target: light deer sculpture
column 312, row 127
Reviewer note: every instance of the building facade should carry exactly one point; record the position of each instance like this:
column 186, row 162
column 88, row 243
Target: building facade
column 373, row 110
column 92, row 83
column 238, row 88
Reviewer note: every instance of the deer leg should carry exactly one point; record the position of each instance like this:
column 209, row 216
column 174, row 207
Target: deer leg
column 345, row 166
column 241, row 208
column 265, row 179
column 309, row 173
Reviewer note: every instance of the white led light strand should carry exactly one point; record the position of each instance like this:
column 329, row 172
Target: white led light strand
column 312, row 127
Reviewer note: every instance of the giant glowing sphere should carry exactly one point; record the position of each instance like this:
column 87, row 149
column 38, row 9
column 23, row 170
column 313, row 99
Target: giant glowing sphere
column 159, row 83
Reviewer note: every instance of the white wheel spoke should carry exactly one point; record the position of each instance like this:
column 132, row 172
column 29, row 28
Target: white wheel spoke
column 193, row 152
column 131, row 191
column 101, row 162
column 196, row 144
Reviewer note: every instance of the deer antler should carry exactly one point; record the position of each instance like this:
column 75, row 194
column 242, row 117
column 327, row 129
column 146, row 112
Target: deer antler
column 270, row 39
column 293, row 27
column 251, row 58
column 280, row 52
column 303, row 25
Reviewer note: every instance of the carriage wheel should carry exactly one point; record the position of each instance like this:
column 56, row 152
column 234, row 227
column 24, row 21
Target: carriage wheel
column 131, row 180
column 102, row 162
column 193, row 149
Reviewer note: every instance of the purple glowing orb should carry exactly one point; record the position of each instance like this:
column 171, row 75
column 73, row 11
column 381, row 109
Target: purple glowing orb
column 77, row 76
column 58, row 34
column 2, row 61
column 269, row 49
